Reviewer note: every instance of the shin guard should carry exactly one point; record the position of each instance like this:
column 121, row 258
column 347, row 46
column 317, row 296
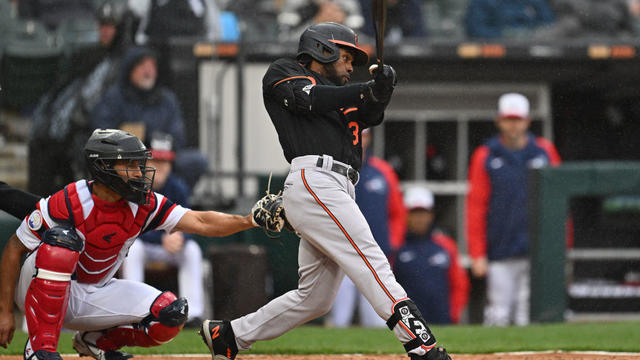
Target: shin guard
column 166, row 320
column 48, row 294
column 407, row 323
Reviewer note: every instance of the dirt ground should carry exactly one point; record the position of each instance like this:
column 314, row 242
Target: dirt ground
column 499, row 356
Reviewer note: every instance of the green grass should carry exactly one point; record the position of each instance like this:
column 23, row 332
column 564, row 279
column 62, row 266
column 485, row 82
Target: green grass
column 619, row 337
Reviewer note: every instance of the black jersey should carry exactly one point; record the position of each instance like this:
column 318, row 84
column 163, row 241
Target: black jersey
column 16, row 202
column 314, row 117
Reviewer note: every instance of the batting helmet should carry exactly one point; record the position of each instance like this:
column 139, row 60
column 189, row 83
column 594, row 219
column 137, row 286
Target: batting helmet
column 104, row 148
column 322, row 42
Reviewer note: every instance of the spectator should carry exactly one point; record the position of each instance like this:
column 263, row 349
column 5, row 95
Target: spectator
column 496, row 223
column 52, row 13
column 379, row 197
column 161, row 19
column 60, row 121
column 494, row 19
column 427, row 264
column 404, row 20
column 136, row 103
column 591, row 18
column 175, row 248
column 297, row 15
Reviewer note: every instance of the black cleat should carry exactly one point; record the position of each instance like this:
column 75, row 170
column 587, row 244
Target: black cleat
column 219, row 338
column 436, row 353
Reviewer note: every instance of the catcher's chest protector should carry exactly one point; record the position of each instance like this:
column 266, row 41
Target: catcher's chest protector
column 106, row 227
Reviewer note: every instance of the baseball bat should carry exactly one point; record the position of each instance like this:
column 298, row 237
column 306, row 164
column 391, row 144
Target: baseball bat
column 379, row 12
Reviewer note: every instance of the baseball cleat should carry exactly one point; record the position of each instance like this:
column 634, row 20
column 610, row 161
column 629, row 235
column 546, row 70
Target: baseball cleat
column 85, row 348
column 436, row 353
column 29, row 354
column 219, row 338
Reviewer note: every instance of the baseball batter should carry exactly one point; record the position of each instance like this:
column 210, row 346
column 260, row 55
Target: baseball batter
column 76, row 240
column 319, row 118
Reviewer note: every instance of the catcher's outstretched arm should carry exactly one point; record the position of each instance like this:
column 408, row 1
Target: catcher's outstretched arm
column 213, row 223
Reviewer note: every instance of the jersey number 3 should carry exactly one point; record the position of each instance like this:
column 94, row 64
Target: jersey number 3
column 355, row 127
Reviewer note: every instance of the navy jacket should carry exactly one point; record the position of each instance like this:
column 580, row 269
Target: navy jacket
column 427, row 267
column 157, row 108
column 497, row 225
column 379, row 197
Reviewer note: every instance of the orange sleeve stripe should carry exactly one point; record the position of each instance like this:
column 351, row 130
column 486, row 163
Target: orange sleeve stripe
column 349, row 110
column 313, row 81
column 344, row 231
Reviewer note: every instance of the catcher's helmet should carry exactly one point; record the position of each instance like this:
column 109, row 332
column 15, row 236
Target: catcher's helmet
column 104, row 148
column 322, row 42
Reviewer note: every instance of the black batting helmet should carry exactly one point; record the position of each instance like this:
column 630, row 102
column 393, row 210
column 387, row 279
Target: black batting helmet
column 322, row 42
column 104, row 148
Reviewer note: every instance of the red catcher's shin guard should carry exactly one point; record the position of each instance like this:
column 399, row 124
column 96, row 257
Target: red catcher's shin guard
column 48, row 295
column 166, row 319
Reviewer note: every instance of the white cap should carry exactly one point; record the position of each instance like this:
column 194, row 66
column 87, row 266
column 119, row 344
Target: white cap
column 513, row 105
column 418, row 197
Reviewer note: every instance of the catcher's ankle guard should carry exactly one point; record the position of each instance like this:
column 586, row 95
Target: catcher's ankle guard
column 406, row 315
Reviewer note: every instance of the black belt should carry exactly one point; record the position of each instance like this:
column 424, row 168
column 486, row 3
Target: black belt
column 351, row 173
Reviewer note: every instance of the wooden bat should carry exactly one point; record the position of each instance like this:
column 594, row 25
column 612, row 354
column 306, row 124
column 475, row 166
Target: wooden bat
column 379, row 12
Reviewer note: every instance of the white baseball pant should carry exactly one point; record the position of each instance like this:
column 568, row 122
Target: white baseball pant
column 334, row 239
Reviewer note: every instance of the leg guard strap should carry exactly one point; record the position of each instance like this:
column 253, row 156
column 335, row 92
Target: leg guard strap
column 407, row 315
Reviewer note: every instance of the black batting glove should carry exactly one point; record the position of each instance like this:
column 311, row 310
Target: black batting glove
column 385, row 77
column 383, row 83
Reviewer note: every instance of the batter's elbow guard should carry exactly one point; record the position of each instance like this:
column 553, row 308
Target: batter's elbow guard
column 407, row 316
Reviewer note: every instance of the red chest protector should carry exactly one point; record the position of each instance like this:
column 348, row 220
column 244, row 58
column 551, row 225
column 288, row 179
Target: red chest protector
column 106, row 229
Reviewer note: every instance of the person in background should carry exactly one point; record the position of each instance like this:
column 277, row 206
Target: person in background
column 52, row 13
column 138, row 104
column 404, row 20
column 379, row 197
column 496, row 223
column 177, row 248
column 427, row 265
column 60, row 122
column 494, row 19
column 162, row 19
column 297, row 15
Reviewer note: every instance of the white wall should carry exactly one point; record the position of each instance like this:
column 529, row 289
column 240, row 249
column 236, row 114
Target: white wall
column 262, row 152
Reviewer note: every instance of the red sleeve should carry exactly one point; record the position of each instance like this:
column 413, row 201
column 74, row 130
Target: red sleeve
column 550, row 149
column 478, row 203
column 397, row 210
column 459, row 284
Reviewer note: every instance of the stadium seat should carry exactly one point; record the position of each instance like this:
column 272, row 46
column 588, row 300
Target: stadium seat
column 78, row 34
column 29, row 63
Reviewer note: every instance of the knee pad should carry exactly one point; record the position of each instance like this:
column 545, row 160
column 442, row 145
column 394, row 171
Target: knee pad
column 48, row 294
column 167, row 317
column 407, row 316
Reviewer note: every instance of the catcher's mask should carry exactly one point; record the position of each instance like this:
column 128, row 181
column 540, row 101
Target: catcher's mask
column 107, row 146
column 322, row 42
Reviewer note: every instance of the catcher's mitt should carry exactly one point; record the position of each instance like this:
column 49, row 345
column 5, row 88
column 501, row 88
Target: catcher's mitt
column 268, row 212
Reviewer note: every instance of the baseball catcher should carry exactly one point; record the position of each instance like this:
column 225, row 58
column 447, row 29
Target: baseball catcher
column 76, row 240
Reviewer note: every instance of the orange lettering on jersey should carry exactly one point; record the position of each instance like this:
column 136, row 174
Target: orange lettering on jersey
column 355, row 127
